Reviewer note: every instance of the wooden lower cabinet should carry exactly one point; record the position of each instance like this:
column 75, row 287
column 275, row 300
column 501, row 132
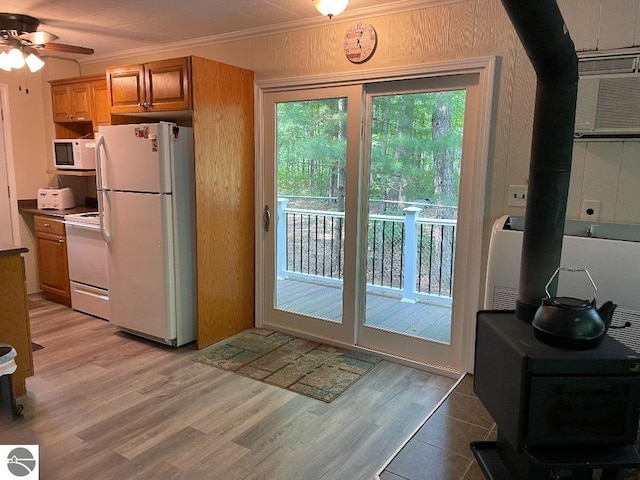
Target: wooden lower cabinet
column 14, row 316
column 53, row 265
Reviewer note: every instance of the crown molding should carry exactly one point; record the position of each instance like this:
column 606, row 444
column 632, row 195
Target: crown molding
column 319, row 21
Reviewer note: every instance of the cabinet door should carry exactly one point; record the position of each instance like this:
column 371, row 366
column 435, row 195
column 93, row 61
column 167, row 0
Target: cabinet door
column 53, row 264
column 168, row 86
column 100, row 104
column 60, row 102
column 125, row 88
column 80, row 102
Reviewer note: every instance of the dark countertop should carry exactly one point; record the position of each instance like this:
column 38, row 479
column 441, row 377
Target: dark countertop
column 8, row 249
column 31, row 206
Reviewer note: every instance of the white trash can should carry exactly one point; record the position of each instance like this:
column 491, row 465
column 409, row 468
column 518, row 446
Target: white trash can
column 8, row 407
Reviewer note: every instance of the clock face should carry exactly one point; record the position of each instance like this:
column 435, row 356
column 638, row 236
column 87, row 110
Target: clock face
column 360, row 42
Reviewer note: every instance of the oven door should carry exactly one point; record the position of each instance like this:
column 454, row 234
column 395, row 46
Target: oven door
column 87, row 254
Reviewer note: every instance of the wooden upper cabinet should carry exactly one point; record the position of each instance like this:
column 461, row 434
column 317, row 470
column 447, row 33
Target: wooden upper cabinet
column 79, row 105
column 100, row 103
column 160, row 86
column 125, row 89
column 71, row 102
column 60, row 102
column 80, row 102
column 167, row 85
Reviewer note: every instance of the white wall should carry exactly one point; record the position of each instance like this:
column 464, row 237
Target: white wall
column 31, row 134
column 608, row 172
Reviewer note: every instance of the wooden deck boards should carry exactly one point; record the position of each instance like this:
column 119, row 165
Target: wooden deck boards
column 418, row 319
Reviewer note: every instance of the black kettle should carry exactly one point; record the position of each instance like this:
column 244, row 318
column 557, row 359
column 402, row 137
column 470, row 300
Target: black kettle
column 572, row 323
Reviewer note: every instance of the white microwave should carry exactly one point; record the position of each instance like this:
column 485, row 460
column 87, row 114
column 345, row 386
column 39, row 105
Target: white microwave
column 74, row 154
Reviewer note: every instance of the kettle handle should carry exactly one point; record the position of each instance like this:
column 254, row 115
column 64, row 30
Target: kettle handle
column 570, row 269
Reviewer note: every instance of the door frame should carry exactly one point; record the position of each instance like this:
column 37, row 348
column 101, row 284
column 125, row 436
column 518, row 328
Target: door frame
column 448, row 354
column 473, row 186
column 342, row 332
column 7, row 163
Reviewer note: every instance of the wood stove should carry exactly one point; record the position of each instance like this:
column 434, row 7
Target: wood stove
column 560, row 413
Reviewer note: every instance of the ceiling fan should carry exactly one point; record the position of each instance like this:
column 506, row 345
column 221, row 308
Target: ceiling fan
column 21, row 32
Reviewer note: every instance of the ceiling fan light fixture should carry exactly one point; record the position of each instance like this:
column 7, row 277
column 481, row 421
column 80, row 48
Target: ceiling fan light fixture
column 16, row 59
column 5, row 63
column 330, row 8
column 34, row 62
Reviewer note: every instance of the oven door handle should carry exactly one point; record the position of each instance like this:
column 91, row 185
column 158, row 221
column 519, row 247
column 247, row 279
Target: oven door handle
column 83, row 226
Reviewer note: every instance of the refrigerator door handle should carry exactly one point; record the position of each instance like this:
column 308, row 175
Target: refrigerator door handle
column 104, row 218
column 100, row 145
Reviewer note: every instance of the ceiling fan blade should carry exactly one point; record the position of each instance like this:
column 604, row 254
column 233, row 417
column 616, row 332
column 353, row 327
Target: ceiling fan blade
column 18, row 23
column 61, row 47
column 38, row 38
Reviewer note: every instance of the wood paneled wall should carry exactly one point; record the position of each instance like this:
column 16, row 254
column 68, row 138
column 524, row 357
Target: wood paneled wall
column 610, row 173
column 224, row 167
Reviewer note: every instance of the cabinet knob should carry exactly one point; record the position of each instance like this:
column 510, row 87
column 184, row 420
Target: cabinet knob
column 47, row 225
column 61, row 241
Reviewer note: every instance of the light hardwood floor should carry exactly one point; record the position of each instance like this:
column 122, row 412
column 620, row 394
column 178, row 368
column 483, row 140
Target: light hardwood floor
column 107, row 405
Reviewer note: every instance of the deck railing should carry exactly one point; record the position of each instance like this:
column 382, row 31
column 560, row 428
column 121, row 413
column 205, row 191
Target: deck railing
column 408, row 256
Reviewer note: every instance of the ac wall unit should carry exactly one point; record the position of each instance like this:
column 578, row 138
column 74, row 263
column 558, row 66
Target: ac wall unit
column 608, row 102
column 610, row 253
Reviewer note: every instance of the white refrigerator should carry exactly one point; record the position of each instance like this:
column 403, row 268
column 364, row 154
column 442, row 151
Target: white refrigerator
column 146, row 198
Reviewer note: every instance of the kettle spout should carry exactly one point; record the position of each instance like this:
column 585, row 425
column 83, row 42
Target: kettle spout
column 606, row 312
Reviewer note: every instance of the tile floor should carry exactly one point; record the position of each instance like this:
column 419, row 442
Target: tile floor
column 440, row 449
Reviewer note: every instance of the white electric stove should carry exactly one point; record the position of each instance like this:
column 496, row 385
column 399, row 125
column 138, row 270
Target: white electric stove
column 87, row 253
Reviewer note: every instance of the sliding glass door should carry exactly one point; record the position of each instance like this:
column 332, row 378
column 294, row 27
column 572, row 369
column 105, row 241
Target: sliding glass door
column 361, row 191
column 413, row 156
column 312, row 142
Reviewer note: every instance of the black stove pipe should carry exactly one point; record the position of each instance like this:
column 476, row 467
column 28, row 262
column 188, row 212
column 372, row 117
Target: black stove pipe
column 541, row 29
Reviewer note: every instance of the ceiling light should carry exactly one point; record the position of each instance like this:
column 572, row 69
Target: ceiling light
column 34, row 62
column 5, row 63
column 16, row 59
column 330, row 8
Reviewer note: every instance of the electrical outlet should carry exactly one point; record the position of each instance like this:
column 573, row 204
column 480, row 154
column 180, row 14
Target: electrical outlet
column 517, row 196
column 590, row 210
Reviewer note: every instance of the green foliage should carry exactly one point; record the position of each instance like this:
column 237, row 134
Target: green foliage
column 416, row 147
column 311, row 147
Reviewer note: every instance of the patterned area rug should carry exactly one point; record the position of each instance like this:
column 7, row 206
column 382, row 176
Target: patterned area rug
column 312, row 369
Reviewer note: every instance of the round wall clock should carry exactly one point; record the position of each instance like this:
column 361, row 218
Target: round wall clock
column 360, row 42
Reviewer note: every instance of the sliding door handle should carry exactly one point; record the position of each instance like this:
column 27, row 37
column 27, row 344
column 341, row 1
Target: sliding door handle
column 266, row 218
